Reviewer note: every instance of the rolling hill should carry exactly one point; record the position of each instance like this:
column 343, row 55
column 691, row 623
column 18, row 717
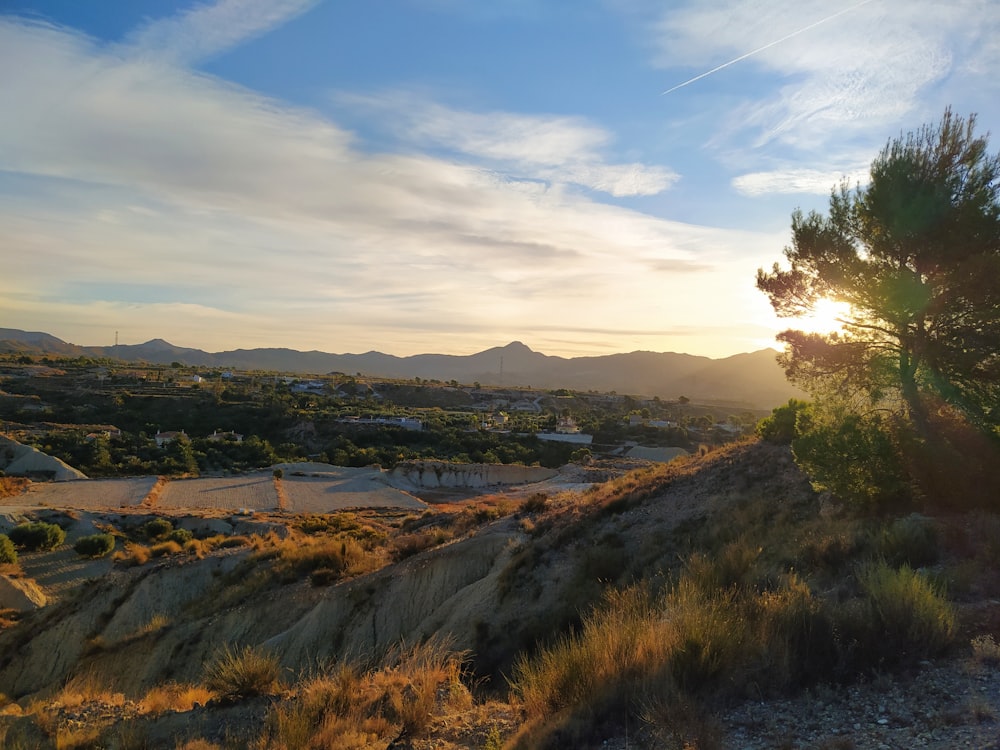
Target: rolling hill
column 752, row 379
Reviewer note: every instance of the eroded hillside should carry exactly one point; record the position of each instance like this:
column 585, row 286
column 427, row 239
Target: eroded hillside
column 492, row 583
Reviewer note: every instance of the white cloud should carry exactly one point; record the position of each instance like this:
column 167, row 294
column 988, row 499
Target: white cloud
column 814, row 181
column 260, row 221
column 864, row 69
column 210, row 29
column 550, row 148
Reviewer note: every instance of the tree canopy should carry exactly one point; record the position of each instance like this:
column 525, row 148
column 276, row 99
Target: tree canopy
column 914, row 255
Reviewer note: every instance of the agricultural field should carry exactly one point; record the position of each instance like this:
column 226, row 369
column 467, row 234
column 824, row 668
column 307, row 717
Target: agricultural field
column 252, row 491
column 88, row 493
column 328, row 493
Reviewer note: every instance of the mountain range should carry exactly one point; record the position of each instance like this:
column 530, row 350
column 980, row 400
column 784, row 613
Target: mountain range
column 753, row 379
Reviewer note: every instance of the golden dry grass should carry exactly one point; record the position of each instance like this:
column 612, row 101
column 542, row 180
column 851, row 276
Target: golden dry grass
column 134, row 554
column 350, row 708
column 175, row 697
column 243, row 672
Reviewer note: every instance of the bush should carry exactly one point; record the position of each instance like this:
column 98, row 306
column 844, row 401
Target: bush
column 7, row 552
column 856, row 458
column 156, row 528
column 781, row 427
column 912, row 541
column 906, row 611
column 37, row 536
column 181, row 536
column 95, row 545
column 535, row 503
column 242, row 673
column 325, row 559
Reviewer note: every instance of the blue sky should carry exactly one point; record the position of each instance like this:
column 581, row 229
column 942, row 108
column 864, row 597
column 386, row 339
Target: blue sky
column 446, row 175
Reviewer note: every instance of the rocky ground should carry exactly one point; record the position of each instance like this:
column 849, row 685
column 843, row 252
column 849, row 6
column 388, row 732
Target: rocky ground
column 940, row 706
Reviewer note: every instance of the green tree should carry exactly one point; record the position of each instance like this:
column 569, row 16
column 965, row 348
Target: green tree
column 782, row 426
column 856, row 457
column 915, row 256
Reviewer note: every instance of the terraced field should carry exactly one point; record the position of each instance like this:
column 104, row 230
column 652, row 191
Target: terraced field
column 88, row 493
column 253, row 491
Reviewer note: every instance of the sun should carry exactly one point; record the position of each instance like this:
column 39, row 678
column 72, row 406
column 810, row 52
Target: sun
column 826, row 317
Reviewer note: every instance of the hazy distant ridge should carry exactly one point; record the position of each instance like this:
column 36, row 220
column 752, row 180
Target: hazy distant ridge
column 754, row 378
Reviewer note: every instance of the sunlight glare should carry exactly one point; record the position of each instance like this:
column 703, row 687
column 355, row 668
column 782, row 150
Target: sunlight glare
column 825, row 317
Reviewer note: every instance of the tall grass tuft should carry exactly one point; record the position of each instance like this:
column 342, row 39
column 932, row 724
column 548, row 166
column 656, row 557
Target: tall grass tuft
column 349, row 707
column 720, row 630
column 242, row 673
column 907, row 610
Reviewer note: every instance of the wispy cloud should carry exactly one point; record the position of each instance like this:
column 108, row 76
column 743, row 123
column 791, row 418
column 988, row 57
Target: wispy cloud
column 814, row 181
column 550, row 148
column 873, row 66
column 131, row 171
column 210, row 29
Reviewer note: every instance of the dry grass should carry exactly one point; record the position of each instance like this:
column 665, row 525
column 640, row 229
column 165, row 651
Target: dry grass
column 175, row 697
column 985, row 650
column 133, row 555
column 721, row 632
column 77, row 738
column 87, row 688
column 242, row 673
column 325, row 559
column 13, row 486
column 348, row 707
column 165, row 548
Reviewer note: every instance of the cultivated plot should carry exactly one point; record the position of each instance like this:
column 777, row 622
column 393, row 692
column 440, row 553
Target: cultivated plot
column 88, row 493
column 254, row 492
column 325, row 494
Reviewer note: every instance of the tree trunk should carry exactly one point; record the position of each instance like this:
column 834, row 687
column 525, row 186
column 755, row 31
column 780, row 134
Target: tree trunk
column 915, row 408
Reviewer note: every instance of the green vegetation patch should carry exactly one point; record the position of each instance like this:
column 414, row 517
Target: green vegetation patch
column 37, row 536
column 95, row 545
column 8, row 554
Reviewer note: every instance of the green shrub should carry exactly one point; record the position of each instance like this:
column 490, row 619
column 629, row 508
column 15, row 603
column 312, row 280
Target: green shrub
column 7, row 552
column 909, row 616
column 857, row 458
column 535, row 503
column 782, row 426
column 156, row 528
column 95, row 545
column 181, row 536
column 242, row 672
column 912, row 540
column 37, row 536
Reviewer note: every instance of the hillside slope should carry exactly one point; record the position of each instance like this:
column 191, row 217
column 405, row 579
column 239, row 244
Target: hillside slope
column 500, row 590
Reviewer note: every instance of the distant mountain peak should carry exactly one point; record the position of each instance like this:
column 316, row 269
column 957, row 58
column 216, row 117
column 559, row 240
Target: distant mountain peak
column 744, row 379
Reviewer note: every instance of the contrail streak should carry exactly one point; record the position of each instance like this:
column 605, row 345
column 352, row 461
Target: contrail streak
column 766, row 46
